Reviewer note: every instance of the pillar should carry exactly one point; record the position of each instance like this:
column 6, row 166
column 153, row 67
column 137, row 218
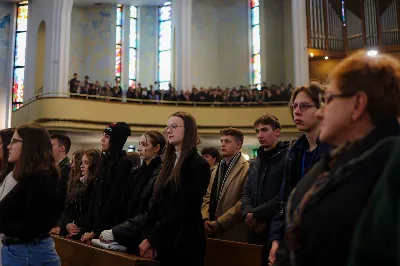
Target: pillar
column 57, row 16
column 182, row 44
column 300, row 51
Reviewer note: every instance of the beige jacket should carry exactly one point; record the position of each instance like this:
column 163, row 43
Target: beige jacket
column 229, row 207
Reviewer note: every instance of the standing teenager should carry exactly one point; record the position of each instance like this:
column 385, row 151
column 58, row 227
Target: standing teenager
column 114, row 172
column 32, row 207
column 174, row 233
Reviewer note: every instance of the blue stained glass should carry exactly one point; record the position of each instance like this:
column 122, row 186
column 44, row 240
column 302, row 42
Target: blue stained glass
column 132, row 63
column 165, row 13
column 119, row 16
column 165, row 36
column 132, row 33
column 20, row 48
column 164, row 62
column 255, row 16
column 133, row 12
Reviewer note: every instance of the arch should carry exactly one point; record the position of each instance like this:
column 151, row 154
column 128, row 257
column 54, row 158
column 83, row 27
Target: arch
column 40, row 57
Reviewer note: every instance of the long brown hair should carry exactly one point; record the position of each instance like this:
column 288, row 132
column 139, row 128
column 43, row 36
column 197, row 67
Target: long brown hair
column 36, row 154
column 5, row 166
column 170, row 173
column 75, row 187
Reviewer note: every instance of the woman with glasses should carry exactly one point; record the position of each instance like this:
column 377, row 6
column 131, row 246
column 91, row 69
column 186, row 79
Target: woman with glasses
column 174, row 232
column 358, row 116
column 32, row 207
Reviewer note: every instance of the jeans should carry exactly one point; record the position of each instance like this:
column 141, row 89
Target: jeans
column 42, row 253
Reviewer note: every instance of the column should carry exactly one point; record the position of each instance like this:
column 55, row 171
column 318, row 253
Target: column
column 56, row 14
column 182, row 44
column 300, row 51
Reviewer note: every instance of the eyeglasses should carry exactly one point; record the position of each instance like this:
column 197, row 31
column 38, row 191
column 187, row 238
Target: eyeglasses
column 303, row 106
column 172, row 127
column 13, row 141
column 326, row 98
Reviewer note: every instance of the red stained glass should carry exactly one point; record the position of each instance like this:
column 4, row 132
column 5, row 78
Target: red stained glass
column 255, row 3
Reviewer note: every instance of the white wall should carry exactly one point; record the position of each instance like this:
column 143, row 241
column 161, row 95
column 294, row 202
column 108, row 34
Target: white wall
column 7, row 24
column 147, row 44
column 220, row 44
column 78, row 30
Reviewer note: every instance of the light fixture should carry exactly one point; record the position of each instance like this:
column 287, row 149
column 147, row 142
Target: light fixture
column 311, row 54
column 326, row 57
column 372, row 53
column 246, row 156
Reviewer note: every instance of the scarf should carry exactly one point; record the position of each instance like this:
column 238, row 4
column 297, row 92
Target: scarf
column 221, row 176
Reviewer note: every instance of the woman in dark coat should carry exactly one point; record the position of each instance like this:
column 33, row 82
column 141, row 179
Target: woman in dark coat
column 174, row 231
column 135, row 202
column 114, row 172
column 358, row 116
column 79, row 193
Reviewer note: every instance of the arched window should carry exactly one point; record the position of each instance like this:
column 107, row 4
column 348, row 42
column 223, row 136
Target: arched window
column 164, row 45
column 255, row 44
column 343, row 14
column 118, row 57
column 133, row 45
column 19, row 55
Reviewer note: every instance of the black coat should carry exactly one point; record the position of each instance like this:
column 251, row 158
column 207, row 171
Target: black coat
column 109, row 186
column 261, row 189
column 32, row 207
column 135, row 204
column 328, row 221
column 65, row 168
column 174, row 225
column 291, row 176
column 76, row 211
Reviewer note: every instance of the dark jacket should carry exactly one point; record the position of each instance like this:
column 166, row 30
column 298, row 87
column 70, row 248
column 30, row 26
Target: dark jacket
column 376, row 239
column 109, row 186
column 32, row 207
column 260, row 192
column 327, row 225
column 136, row 203
column 65, row 168
column 175, row 226
column 75, row 211
column 292, row 174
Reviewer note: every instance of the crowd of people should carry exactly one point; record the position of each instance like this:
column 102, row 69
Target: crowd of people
column 235, row 95
column 329, row 199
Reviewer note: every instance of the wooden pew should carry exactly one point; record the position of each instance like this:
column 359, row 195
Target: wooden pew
column 226, row 253
column 75, row 253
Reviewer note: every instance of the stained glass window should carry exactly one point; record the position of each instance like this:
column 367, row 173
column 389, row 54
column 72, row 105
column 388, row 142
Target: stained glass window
column 132, row 45
column 118, row 40
column 255, row 43
column 343, row 14
column 19, row 55
column 164, row 46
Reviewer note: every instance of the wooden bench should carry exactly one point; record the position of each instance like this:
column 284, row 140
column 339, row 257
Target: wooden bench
column 75, row 253
column 218, row 253
column 226, row 253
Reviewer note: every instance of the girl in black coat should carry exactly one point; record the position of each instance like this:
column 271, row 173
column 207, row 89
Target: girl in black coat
column 135, row 202
column 174, row 231
column 32, row 207
column 79, row 193
column 110, row 183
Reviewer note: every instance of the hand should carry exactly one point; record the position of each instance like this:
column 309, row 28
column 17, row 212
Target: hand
column 207, row 227
column 55, row 230
column 87, row 237
column 104, row 241
column 73, row 229
column 214, row 226
column 260, row 228
column 146, row 250
column 251, row 221
column 272, row 253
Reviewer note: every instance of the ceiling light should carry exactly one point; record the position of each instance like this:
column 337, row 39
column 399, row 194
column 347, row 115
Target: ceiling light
column 326, row 57
column 246, row 156
column 311, row 54
column 372, row 53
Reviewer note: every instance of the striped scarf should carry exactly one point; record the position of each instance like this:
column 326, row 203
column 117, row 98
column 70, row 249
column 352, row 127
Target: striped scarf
column 225, row 176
